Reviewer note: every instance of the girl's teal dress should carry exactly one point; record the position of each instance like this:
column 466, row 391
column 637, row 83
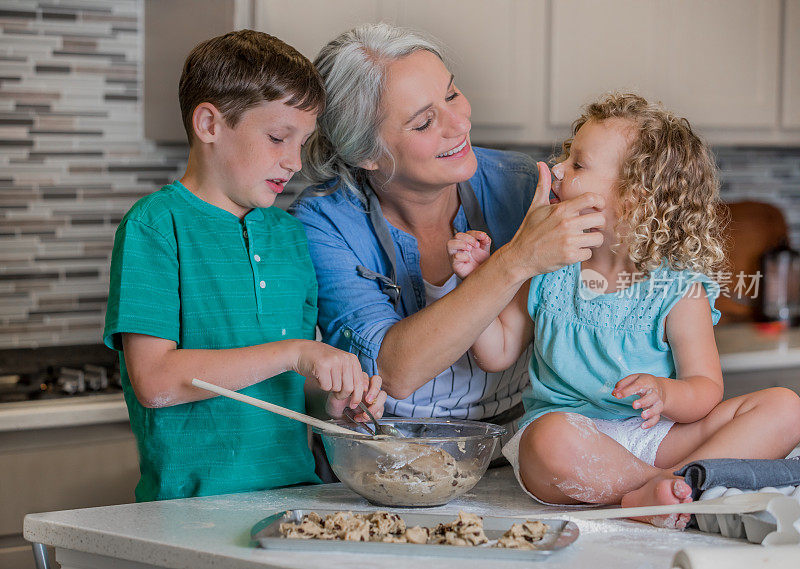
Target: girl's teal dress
column 585, row 343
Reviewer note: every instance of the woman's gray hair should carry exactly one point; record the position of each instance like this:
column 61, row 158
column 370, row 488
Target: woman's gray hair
column 353, row 67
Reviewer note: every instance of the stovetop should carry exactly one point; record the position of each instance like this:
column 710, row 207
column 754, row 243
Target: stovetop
column 58, row 372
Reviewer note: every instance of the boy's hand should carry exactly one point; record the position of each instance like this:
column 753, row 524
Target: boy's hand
column 374, row 397
column 467, row 251
column 333, row 370
column 650, row 390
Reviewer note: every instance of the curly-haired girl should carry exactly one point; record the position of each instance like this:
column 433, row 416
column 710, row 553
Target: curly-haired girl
column 626, row 383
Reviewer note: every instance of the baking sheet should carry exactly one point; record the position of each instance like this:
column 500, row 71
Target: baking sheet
column 560, row 534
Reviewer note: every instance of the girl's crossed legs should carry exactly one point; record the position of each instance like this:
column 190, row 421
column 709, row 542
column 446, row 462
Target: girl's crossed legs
column 564, row 459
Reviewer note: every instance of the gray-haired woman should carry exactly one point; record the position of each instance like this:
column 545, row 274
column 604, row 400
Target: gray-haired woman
column 396, row 178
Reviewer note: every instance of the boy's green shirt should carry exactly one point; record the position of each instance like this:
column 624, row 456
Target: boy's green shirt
column 185, row 270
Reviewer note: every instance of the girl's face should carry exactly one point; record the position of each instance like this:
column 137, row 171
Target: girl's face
column 594, row 163
column 425, row 125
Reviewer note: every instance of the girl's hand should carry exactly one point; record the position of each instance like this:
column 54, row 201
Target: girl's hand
column 374, row 398
column 467, row 251
column 650, row 390
column 333, row 370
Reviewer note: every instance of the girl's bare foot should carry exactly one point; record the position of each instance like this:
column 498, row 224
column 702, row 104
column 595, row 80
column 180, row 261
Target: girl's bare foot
column 666, row 489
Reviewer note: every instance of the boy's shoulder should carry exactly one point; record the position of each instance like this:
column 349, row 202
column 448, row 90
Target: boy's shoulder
column 155, row 210
column 279, row 220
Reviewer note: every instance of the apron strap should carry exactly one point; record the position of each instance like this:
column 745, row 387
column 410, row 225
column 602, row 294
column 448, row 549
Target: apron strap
column 469, row 201
column 388, row 283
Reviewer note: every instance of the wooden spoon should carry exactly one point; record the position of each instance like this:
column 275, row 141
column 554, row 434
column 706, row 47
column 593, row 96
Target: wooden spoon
column 735, row 504
column 314, row 422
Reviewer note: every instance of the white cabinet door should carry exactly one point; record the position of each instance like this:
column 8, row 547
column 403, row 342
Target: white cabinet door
column 487, row 44
column 715, row 62
column 489, row 48
column 790, row 117
column 307, row 25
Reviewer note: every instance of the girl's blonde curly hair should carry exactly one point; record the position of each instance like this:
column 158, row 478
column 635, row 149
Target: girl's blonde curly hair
column 668, row 187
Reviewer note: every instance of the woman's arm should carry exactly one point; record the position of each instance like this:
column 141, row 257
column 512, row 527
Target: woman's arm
column 550, row 237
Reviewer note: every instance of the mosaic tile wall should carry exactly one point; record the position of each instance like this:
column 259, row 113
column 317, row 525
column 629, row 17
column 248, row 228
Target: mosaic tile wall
column 73, row 160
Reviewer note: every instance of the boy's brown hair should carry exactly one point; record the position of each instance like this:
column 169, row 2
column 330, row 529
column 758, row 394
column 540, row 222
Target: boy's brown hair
column 239, row 70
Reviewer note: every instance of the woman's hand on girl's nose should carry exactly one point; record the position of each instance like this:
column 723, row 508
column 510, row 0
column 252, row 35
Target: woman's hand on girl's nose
column 553, row 235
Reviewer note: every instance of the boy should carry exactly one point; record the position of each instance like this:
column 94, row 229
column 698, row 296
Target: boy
column 208, row 281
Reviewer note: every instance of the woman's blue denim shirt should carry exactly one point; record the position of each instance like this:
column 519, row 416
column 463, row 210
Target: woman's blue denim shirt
column 354, row 313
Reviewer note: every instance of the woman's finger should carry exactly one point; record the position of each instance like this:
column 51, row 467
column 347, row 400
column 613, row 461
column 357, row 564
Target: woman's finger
column 594, row 220
column 592, row 239
column 584, row 201
column 542, row 195
column 335, row 407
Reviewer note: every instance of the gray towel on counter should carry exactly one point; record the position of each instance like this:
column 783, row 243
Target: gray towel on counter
column 745, row 474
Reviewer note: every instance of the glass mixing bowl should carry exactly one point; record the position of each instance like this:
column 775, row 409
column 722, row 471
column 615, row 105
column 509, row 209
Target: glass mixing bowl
column 437, row 460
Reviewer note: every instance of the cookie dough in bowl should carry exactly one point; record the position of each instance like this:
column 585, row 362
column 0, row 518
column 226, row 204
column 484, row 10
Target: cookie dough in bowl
column 438, row 460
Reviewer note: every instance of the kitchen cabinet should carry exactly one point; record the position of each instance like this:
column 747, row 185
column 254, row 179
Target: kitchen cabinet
column 486, row 59
column 790, row 117
column 492, row 63
column 732, row 67
column 715, row 62
column 55, row 468
column 528, row 66
column 171, row 30
column 307, row 26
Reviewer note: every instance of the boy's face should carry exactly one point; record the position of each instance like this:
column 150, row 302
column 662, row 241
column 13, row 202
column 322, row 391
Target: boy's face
column 256, row 158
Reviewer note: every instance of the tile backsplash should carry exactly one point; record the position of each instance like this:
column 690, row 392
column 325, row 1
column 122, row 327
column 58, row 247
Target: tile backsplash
column 73, row 159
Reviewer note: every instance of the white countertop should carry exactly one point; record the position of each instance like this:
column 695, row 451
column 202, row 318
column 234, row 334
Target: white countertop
column 64, row 412
column 214, row 531
column 748, row 347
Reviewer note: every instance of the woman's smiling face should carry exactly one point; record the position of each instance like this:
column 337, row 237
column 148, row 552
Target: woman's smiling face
column 425, row 125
